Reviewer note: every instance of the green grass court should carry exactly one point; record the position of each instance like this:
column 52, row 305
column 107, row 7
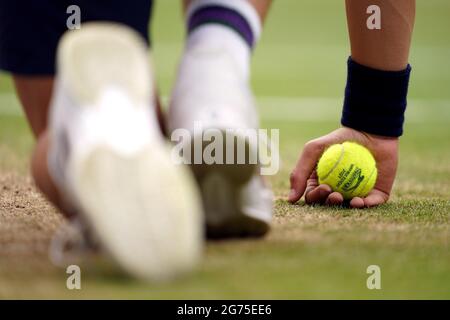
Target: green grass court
column 312, row 252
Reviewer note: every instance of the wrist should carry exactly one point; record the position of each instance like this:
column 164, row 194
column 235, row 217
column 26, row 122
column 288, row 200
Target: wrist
column 375, row 100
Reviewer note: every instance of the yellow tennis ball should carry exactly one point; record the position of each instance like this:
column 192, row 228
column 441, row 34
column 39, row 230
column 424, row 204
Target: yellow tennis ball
column 348, row 168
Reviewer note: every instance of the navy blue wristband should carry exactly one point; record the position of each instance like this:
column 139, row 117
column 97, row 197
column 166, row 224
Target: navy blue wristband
column 375, row 100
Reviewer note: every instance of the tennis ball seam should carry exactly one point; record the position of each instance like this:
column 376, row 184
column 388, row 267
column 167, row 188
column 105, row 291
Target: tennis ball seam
column 367, row 180
column 336, row 163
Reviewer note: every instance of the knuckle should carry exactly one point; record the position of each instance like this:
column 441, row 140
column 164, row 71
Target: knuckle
column 313, row 146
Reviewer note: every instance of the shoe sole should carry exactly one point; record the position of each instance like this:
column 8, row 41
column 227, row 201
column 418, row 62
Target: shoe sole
column 144, row 210
column 221, row 186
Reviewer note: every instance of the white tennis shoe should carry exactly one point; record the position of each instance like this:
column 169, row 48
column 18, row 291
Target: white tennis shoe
column 108, row 157
column 213, row 94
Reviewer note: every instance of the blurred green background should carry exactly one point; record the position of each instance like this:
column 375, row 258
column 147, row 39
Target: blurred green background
column 299, row 70
column 304, row 48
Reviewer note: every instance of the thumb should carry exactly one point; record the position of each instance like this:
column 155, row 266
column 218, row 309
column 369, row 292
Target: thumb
column 303, row 170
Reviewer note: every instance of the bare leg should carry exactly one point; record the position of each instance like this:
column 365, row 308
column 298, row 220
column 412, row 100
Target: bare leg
column 35, row 94
column 42, row 177
column 387, row 48
column 262, row 7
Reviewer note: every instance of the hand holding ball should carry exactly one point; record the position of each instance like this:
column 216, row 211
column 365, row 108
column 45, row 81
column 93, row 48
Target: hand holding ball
column 348, row 168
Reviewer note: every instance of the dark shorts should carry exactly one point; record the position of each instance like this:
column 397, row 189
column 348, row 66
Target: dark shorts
column 30, row 29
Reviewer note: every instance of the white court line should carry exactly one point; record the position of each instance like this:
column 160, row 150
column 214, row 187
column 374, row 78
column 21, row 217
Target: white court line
column 297, row 109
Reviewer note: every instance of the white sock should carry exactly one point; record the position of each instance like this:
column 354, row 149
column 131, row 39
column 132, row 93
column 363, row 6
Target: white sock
column 237, row 29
